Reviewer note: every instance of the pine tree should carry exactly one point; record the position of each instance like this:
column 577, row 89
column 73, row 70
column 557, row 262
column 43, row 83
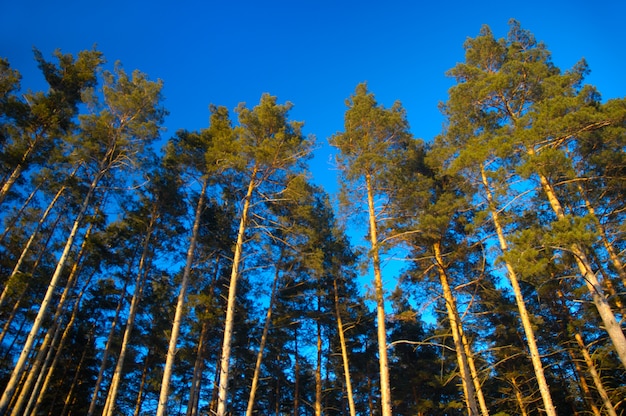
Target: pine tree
column 368, row 146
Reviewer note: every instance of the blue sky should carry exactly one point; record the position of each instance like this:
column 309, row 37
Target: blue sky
column 312, row 53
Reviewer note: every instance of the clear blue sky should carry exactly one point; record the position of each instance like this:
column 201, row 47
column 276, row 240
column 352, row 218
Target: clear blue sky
column 312, row 53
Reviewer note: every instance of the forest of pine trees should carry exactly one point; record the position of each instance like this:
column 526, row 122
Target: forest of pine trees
column 212, row 276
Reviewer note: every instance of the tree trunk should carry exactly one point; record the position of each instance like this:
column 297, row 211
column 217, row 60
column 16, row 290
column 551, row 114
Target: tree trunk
column 611, row 326
column 140, row 281
column 142, row 383
column 615, row 260
column 13, row 219
column 178, row 317
column 477, row 385
column 43, row 309
column 521, row 305
column 8, row 184
column 39, row 367
column 296, row 384
column 30, row 241
column 70, row 398
column 107, row 351
column 259, row 357
column 318, row 365
column 344, row 352
column 59, row 348
column 385, row 388
column 198, row 368
column 591, row 367
column 519, row 398
column 455, row 325
column 230, row 307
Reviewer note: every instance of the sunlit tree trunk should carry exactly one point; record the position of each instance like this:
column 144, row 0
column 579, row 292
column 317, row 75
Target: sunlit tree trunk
column 318, row 364
column 610, row 249
column 107, row 350
column 477, row 385
column 521, row 305
column 296, row 371
column 259, row 356
column 142, row 383
column 11, row 223
column 198, row 368
column 178, row 317
column 46, row 349
column 519, row 398
column 140, row 280
column 591, row 367
column 455, row 324
column 43, row 308
column 385, row 388
column 344, row 352
column 230, row 307
column 611, row 326
column 30, row 241
column 59, row 347
column 17, row 171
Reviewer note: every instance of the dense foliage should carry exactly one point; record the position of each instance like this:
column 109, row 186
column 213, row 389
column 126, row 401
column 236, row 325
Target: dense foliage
column 210, row 276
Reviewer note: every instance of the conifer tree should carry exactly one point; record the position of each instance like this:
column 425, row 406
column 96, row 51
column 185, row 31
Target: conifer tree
column 111, row 138
column 368, row 148
column 267, row 148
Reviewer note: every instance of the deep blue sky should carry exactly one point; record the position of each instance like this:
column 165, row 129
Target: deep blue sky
column 312, row 53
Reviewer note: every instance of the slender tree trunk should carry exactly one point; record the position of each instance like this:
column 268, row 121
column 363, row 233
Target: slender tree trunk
column 455, row 325
column 17, row 172
column 385, row 388
column 140, row 281
column 591, row 367
column 107, row 351
column 70, row 398
column 296, row 384
column 615, row 260
column 10, row 318
column 259, row 356
column 43, row 357
column 11, row 223
column 34, row 267
column 611, row 326
column 318, row 366
column 59, row 348
column 198, row 368
column 344, row 352
column 43, row 309
column 230, row 307
column 142, row 384
column 519, row 398
column 178, row 317
column 477, row 385
column 535, row 357
column 30, row 241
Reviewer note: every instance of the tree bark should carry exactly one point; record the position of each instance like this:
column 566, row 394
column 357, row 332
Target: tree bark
column 16, row 374
column 455, row 325
column 259, row 357
column 344, row 352
column 521, row 305
column 230, row 307
column 611, row 326
column 385, row 388
column 140, row 281
column 178, row 317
